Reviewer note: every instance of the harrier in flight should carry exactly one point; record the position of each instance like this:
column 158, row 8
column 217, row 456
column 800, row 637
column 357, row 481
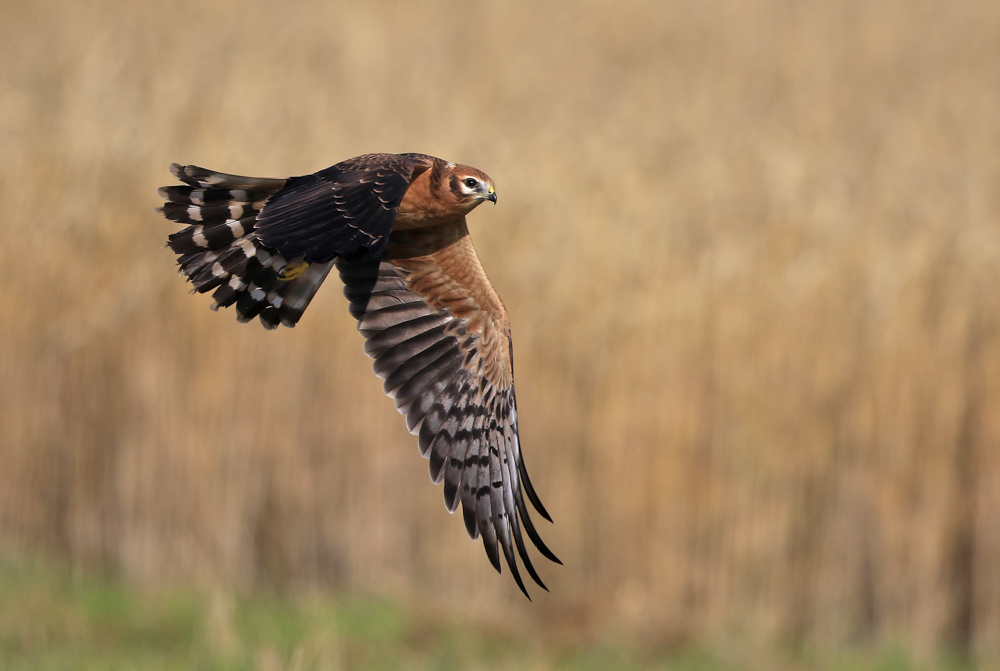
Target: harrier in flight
column 394, row 227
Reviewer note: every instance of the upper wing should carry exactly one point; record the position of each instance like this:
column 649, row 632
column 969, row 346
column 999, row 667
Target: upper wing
column 343, row 211
column 266, row 245
column 441, row 341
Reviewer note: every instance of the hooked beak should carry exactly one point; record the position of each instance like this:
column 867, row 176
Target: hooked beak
column 492, row 196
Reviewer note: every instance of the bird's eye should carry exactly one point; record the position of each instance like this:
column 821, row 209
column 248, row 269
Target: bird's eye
column 471, row 182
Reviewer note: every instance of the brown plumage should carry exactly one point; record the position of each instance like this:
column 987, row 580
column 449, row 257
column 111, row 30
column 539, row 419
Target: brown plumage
column 394, row 227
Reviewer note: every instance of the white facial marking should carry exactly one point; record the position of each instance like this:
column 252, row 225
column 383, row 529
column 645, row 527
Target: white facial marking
column 466, row 189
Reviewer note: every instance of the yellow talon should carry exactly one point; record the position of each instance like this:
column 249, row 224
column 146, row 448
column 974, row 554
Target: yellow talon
column 292, row 270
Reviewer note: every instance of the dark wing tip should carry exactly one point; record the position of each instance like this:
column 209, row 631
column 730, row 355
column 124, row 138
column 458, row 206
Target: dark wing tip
column 512, row 563
column 530, row 490
column 529, row 527
column 521, row 586
column 420, row 360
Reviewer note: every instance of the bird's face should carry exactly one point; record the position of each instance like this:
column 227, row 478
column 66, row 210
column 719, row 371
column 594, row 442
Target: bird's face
column 471, row 186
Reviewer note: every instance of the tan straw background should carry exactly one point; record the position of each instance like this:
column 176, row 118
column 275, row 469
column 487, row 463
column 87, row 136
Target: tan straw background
column 751, row 255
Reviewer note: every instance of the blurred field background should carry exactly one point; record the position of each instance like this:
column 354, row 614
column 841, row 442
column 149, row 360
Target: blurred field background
column 751, row 256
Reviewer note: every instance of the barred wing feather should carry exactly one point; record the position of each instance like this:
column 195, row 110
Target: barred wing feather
column 433, row 366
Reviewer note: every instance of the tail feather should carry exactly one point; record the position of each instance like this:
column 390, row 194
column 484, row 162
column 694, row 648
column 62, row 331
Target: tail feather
column 220, row 249
column 195, row 176
column 209, row 214
column 207, row 271
column 210, row 236
column 191, row 195
column 249, row 306
column 227, row 293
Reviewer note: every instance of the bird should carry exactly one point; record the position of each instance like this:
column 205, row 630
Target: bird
column 394, row 227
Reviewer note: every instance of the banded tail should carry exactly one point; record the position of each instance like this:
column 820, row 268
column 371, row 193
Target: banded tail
column 221, row 250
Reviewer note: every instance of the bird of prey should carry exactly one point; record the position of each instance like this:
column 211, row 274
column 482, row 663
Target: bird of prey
column 394, row 227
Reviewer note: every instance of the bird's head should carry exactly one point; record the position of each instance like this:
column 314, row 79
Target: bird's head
column 471, row 186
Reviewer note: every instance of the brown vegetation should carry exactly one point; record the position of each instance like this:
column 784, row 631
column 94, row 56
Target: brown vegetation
column 751, row 257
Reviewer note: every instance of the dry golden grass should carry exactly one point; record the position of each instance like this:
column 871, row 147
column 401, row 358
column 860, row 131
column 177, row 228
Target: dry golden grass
column 750, row 252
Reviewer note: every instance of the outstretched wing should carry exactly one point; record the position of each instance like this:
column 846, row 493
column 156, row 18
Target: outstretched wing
column 343, row 211
column 441, row 341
